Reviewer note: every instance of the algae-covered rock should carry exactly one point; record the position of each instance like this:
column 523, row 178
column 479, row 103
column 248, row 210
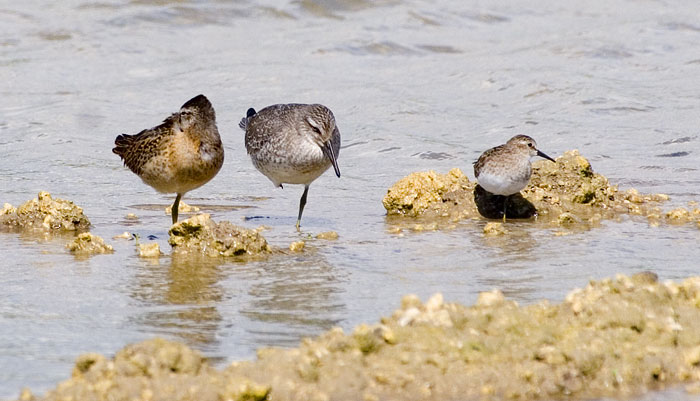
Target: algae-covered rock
column 616, row 337
column 149, row 250
column 567, row 194
column 492, row 229
column 182, row 208
column 328, row 235
column 413, row 195
column 89, row 244
column 46, row 213
column 200, row 234
column 156, row 357
column 297, row 246
column 124, row 235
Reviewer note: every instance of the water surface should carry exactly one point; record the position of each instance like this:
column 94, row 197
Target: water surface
column 414, row 85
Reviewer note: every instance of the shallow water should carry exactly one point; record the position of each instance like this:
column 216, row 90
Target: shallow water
column 414, row 85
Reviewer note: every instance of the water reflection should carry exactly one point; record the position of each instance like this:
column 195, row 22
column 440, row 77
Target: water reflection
column 294, row 298
column 512, row 255
column 493, row 206
column 190, row 286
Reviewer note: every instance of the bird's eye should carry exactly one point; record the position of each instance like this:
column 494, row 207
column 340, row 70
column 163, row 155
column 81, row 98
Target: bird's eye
column 313, row 124
column 529, row 144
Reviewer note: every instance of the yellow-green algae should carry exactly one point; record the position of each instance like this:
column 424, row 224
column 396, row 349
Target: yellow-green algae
column 86, row 244
column 614, row 338
column 567, row 193
column 45, row 213
column 200, row 234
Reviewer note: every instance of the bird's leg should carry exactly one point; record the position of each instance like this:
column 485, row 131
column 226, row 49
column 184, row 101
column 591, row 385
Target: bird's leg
column 175, row 206
column 302, row 203
column 505, row 205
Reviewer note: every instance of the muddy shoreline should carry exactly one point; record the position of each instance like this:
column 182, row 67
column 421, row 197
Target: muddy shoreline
column 616, row 337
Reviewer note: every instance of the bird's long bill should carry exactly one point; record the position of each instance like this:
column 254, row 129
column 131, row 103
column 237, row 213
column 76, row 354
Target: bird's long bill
column 540, row 154
column 327, row 150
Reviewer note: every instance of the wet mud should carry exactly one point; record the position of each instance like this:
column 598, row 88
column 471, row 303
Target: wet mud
column 616, row 337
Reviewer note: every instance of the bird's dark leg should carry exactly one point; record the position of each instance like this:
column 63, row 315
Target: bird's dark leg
column 302, row 203
column 505, row 205
column 175, row 206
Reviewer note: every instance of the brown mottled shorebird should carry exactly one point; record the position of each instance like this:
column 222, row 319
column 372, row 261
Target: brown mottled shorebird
column 505, row 170
column 292, row 144
column 182, row 154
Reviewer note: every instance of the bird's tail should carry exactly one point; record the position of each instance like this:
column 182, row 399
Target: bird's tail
column 122, row 144
column 244, row 121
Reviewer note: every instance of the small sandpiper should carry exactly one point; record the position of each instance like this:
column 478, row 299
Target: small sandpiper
column 505, row 170
column 181, row 154
column 292, row 144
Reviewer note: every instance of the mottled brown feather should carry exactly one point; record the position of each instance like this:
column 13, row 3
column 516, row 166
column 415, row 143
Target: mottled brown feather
column 136, row 150
column 485, row 157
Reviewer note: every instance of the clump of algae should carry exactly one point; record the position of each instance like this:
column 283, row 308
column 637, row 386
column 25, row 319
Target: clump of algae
column 614, row 338
column 571, row 188
column 45, row 213
column 201, row 235
column 566, row 194
column 423, row 191
column 86, row 244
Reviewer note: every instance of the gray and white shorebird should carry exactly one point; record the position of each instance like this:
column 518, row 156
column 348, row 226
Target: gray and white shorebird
column 181, row 154
column 292, row 144
column 505, row 169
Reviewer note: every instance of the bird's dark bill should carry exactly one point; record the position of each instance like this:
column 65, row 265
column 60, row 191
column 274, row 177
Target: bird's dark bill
column 328, row 151
column 541, row 154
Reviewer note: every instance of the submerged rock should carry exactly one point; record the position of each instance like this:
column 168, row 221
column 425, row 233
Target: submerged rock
column 88, row 244
column 182, row 208
column 616, row 338
column 124, row 235
column 200, row 234
column 567, row 193
column 45, row 213
column 149, row 250
column 327, row 235
column 492, row 229
column 297, row 246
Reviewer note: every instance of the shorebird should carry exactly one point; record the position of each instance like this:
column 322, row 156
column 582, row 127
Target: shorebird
column 505, row 169
column 292, row 144
column 181, row 154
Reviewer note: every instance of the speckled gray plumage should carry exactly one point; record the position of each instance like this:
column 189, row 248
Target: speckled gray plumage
column 292, row 144
column 286, row 147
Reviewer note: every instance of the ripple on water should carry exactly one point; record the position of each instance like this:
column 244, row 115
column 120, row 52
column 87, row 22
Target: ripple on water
column 622, row 110
column 430, row 155
column 332, row 8
column 383, row 48
column 177, row 15
column 683, row 139
column 675, row 154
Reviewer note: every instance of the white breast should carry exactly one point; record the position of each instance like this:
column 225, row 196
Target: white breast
column 502, row 185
